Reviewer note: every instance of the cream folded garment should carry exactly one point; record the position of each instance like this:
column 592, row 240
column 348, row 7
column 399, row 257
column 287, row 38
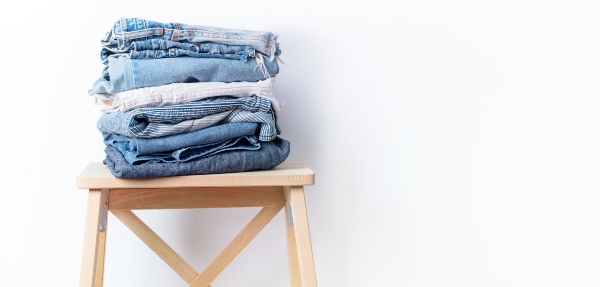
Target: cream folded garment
column 178, row 93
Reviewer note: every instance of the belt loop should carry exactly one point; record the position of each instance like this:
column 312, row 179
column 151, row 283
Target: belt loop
column 176, row 31
column 158, row 31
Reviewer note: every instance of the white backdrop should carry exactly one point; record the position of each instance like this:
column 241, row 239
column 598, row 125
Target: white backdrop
column 455, row 143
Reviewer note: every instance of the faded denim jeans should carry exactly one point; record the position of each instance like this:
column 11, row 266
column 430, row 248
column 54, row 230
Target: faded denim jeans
column 193, row 152
column 182, row 118
column 186, row 146
column 123, row 74
column 270, row 155
column 135, row 34
column 157, row 49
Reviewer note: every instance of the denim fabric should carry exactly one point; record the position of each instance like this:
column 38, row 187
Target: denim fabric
column 170, row 120
column 156, row 49
column 215, row 134
column 127, row 31
column 270, row 155
column 186, row 146
column 179, row 93
column 123, row 74
column 191, row 152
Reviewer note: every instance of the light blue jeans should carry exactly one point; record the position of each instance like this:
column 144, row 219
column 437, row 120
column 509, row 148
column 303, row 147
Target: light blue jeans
column 157, row 48
column 170, row 120
column 127, row 31
column 194, row 152
column 123, row 74
column 186, row 146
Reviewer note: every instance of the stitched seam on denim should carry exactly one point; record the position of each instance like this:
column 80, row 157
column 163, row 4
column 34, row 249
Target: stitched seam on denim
column 176, row 26
column 221, row 35
column 143, row 33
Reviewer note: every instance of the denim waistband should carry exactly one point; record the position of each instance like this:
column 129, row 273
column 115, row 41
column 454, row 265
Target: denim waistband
column 157, row 48
column 179, row 93
column 125, row 31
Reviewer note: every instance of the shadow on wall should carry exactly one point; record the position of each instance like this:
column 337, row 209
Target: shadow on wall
column 297, row 87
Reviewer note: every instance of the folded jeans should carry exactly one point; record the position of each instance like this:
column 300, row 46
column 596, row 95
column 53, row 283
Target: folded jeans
column 145, row 146
column 124, row 74
column 270, row 155
column 178, row 93
column 158, row 48
column 192, row 152
column 185, row 146
column 128, row 31
column 170, row 120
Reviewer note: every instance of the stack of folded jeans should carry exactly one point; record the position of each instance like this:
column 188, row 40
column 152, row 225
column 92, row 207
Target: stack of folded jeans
column 183, row 99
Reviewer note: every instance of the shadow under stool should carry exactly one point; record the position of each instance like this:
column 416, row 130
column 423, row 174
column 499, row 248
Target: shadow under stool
column 270, row 189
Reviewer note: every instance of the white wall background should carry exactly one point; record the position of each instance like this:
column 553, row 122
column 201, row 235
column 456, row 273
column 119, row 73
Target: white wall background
column 455, row 143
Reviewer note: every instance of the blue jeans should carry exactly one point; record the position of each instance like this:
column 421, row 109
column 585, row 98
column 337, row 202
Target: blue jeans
column 126, row 32
column 192, row 152
column 186, row 146
column 123, row 74
column 157, row 48
column 181, row 118
column 270, row 155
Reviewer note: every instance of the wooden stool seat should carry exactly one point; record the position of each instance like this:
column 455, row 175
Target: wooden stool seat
column 270, row 189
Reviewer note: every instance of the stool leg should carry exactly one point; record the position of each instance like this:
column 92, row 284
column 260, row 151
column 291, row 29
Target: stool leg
column 292, row 251
column 301, row 240
column 92, row 265
column 99, row 276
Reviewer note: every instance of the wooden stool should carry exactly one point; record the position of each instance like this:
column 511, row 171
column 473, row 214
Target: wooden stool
column 270, row 189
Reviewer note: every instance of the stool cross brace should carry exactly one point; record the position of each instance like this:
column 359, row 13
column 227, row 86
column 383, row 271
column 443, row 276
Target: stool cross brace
column 121, row 201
